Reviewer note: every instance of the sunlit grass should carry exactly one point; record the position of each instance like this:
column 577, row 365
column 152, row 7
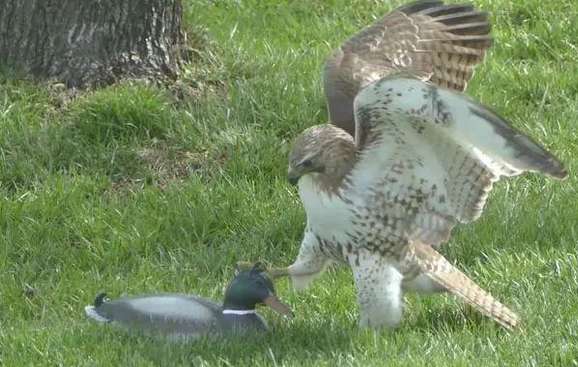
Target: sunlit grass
column 91, row 199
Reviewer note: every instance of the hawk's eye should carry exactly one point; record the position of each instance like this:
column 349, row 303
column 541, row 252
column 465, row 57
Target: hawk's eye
column 306, row 163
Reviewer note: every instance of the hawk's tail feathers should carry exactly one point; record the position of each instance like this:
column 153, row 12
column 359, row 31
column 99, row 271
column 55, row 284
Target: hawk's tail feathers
column 458, row 283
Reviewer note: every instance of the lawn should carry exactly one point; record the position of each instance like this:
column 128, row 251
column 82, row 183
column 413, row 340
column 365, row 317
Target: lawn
column 130, row 190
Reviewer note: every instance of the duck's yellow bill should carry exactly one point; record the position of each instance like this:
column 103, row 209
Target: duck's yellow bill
column 278, row 306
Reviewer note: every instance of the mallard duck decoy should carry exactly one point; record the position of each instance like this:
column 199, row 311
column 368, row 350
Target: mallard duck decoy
column 189, row 316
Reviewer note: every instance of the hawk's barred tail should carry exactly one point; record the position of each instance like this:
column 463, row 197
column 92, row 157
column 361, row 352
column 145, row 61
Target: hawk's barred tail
column 456, row 282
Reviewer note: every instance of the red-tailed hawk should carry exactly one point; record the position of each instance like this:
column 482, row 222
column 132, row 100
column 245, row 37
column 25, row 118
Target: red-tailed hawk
column 406, row 158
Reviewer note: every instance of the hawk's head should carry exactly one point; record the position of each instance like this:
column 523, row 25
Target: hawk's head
column 323, row 149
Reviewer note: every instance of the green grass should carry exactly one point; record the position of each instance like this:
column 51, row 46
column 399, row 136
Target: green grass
column 129, row 190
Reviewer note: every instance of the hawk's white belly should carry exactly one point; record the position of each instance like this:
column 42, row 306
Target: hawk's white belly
column 327, row 215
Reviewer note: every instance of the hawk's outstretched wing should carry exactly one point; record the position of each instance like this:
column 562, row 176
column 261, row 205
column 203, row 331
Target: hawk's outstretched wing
column 428, row 156
column 440, row 43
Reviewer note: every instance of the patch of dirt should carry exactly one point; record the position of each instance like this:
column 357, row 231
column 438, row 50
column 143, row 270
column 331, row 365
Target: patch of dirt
column 163, row 166
column 171, row 165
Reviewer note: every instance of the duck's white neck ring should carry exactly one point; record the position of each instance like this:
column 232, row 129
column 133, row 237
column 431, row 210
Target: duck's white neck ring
column 238, row 312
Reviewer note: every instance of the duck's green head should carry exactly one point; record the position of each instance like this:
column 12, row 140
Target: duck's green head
column 253, row 287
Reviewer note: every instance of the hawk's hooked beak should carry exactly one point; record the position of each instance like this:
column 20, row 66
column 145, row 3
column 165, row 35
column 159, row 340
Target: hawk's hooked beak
column 294, row 180
column 293, row 176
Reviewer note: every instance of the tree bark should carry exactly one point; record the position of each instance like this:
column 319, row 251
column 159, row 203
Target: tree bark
column 91, row 42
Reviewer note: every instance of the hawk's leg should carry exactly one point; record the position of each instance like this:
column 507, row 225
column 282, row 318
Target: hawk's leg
column 422, row 283
column 310, row 263
column 307, row 268
column 378, row 286
column 272, row 272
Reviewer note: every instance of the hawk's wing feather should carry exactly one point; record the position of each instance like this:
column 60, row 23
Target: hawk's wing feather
column 442, row 271
column 431, row 155
column 440, row 43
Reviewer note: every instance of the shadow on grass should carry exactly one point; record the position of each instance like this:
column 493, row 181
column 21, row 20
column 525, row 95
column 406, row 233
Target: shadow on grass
column 452, row 318
column 121, row 132
column 301, row 342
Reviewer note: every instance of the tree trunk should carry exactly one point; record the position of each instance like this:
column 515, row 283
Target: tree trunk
column 91, row 42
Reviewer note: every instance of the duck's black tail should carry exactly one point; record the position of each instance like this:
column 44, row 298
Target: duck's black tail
column 99, row 300
column 92, row 310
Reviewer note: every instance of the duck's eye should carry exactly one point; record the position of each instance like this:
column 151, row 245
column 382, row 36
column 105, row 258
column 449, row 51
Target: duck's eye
column 306, row 163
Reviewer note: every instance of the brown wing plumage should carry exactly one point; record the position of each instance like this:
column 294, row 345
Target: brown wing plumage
column 434, row 41
column 439, row 269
